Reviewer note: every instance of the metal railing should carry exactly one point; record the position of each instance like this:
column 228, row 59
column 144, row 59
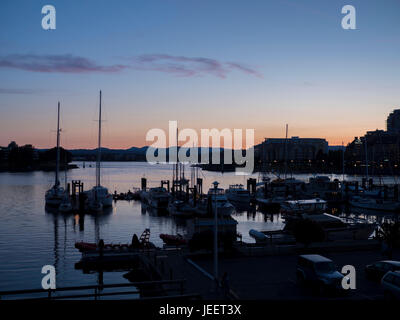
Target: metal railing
column 98, row 290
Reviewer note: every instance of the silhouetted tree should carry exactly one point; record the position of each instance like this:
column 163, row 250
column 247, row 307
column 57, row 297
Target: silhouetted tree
column 51, row 156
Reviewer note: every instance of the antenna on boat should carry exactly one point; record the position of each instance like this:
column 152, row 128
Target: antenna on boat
column 342, row 162
column 287, row 127
column 366, row 157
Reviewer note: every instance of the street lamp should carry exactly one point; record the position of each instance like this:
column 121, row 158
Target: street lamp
column 215, row 183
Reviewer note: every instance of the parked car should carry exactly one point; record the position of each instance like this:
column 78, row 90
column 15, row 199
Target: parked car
column 391, row 285
column 319, row 272
column 378, row 269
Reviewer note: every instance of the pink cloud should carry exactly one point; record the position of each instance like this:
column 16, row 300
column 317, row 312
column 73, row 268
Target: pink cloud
column 189, row 66
column 65, row 63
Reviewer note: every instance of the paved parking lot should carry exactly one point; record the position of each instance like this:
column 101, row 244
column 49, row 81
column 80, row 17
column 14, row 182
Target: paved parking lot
column 274, row 277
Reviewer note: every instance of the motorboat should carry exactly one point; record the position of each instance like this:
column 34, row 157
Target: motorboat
column 174, row 240
column 158, row 198
column 335, row 227
column 273, row 236
column 179, row 208
column 273, row 203
column 237, row 193
column 218, row 200
column 310, row 206
column 375, row 204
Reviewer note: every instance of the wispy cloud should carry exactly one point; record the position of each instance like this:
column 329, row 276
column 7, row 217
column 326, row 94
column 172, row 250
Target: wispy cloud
column 244, row 68
column 176, row 65
column 189, row 66
column 65, row 63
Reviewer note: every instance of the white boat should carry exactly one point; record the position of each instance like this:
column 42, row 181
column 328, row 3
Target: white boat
column 217, row 200
column 158, row 198
column 273, row 202
column 98, row 194
column 336, row 228
column 54, row 196
column 257, row 235
column 304, row 206
column 375, row 204
column 272, row 236
column 237, row 193
column 180, row 208
column 66, row 204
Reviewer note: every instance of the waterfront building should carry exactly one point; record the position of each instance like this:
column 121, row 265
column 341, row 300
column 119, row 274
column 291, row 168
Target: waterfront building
column 292, row 149
column 393, row 122
column 380, row 148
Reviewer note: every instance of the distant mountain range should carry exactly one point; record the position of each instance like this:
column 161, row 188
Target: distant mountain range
column 139, row 154
column 133, row 150
column 131, row 154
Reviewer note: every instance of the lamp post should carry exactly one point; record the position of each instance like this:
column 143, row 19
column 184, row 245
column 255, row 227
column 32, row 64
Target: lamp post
column 215, row 183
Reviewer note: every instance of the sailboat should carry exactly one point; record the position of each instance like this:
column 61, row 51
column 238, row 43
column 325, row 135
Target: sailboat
column 98, row 196
column 54, row 196
column 66, row 204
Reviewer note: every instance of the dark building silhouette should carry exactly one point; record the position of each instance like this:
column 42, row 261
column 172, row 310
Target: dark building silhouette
column 393, row 122
column 380, row 148
column 294, row 148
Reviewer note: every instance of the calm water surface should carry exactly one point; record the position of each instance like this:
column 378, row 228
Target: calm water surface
column 30, row 237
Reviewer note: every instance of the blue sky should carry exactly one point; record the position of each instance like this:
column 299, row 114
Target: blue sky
column 223, row 64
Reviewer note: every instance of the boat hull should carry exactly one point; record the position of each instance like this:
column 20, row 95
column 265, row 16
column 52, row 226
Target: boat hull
column 388, row 207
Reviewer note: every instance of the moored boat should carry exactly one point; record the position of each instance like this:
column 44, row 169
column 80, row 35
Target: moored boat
column 55, row 195
column 98, row 197
column 375, row 204
column 174, row 240
column 303, row 206
column 217, row 200
column 179, row 208
column 237, row 193
column 158, row 198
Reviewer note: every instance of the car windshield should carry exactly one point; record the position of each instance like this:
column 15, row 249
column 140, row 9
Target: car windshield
column 325, row 267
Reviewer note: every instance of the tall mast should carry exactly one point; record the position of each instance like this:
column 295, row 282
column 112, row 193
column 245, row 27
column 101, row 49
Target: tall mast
column 342, row 162
column 366, row 157
column 99, row 148
column 57, row 182
column 177, row 154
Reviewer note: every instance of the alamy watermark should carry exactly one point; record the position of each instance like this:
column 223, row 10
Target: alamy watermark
column 49, row 20
column 49, row 280
column 349, row 20
column 349, row 279
column 188, row 153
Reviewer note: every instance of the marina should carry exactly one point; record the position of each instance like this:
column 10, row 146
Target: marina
column 191, row 156
column 126, row 217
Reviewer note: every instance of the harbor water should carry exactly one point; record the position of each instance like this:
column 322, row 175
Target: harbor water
column 30, row 237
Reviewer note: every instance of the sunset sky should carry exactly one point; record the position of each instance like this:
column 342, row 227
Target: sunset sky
column 207, row 64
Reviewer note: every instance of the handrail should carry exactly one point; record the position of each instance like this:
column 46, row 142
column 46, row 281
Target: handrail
column 95, row 287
